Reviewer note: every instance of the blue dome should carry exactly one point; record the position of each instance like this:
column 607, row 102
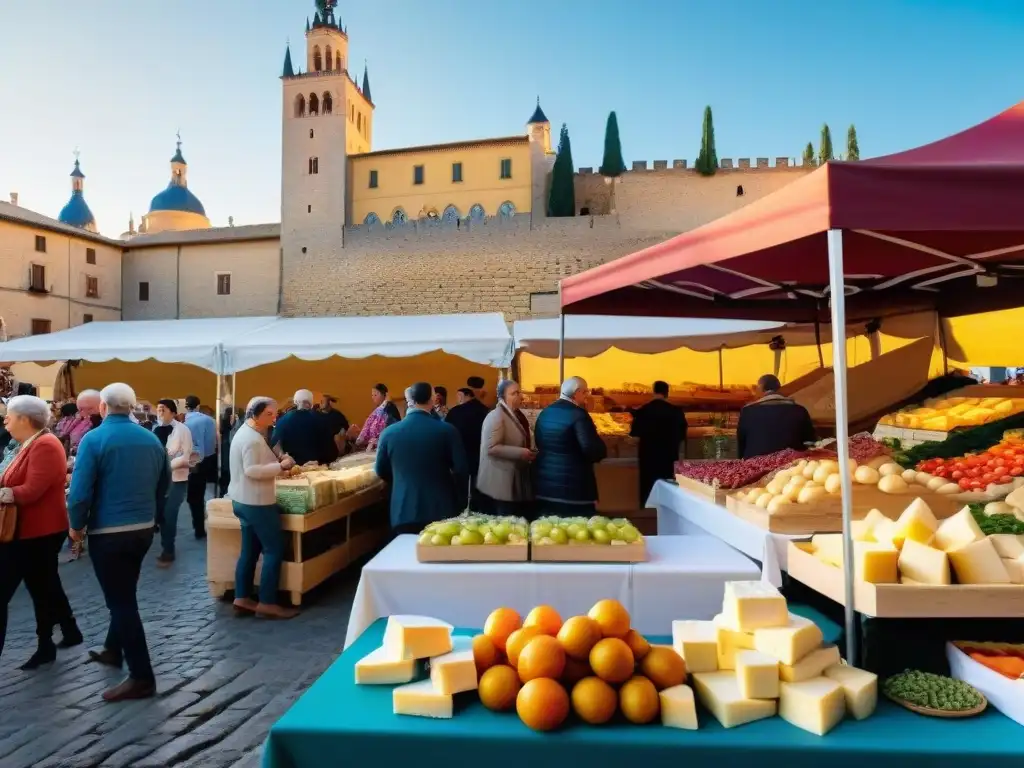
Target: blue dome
column 177, row 198
column 76, row 212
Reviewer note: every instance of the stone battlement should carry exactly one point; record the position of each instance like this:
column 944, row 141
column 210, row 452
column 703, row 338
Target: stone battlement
column 724, row 164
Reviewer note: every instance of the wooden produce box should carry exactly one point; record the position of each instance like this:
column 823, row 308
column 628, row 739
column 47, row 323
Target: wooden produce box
column 826, row 516
column 474, row 553
column 317, row 545
column 590, row 553
column 909, row 601
column 908, row 437
column 717, row 495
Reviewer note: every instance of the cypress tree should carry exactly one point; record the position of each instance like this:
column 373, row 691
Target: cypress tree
column 562, row 198
column 825, row 146
column 707, row 160
column 852, row 147
column 612, row 166
column 809, row 160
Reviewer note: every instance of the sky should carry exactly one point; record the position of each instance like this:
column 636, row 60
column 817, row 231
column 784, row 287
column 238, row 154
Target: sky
column 117, row 79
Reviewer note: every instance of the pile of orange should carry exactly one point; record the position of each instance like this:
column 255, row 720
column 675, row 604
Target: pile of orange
column 594, row 665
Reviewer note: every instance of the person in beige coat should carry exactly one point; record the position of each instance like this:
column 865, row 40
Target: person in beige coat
column 506, row 454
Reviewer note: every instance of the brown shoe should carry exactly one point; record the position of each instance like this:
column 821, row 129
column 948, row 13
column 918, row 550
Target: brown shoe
column 270, row 611
column 244, row 607
column 131, row 689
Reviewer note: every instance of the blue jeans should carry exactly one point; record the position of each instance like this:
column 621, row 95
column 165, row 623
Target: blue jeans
column 261, row 534
column 169, row 527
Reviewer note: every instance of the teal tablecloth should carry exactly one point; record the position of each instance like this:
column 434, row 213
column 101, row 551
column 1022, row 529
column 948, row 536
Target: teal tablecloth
column 337, row 723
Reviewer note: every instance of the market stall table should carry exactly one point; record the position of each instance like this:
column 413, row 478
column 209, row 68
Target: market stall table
column 683, row 513
column 684, row 577
column 339, row 723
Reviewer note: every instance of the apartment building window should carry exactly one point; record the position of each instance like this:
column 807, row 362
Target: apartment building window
column 37, row 278
column 40, row 326
column 506, row 168
column 373, row 179
column 456, row 173
column 40, row 244
column 86, row 318
column 144, row 291
column 223, row 283
column 314, row 165
column 417, row 174
column 92, row 287
column 90, row 255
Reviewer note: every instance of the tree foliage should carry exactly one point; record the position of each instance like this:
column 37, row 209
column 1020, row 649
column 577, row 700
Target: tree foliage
column 707, row 160
column 809, row 159
column 825, row 152
column 852, row 147
column 562, row 197
column 612, row 166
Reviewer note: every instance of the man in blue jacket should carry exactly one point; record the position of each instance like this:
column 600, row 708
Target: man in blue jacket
column 423, row 461
column 118, row 489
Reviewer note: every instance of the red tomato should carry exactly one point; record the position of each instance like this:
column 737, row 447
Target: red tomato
column 942, row 472
column 974, row 472
column 988, row 478
column 1017, row 470
column 1018, row 460
column 974, row 461
column 999, row 462
column 1004, row 479
column 939, row 461
column 976, row 485
column 965, row 483
column 957, row 474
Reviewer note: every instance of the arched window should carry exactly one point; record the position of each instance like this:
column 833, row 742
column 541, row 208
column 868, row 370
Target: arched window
column 317, row 64
column 450, row 215
column 339, row 66
column 352, row 113
column 311, row 133
column 398, row 216
column 328, row 103
column 359, row 121
column 300, row 106
column 314, row 104
column 371, row 219
column 506, row 210
column 477, row 212
column 329, row 59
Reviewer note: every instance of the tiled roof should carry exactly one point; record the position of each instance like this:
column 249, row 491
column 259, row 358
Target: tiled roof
column 502, row 141
column 19, row 215
column 211, row 235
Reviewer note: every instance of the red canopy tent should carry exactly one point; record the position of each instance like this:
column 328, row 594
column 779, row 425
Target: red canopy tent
column 938, row 227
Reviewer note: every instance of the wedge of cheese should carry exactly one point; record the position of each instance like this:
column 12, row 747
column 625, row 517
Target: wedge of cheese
column 719, row 692
column 757, row 674
column 455, row 671
column 811, row 665
column 678, row 709
column 924, row 564
column 917, row 523
column 378, row 668
column 790, row 643
column 884, row 532
column 697, row 643
column 978, row 563
column 750, row 605
column 417, row 637
column 1008, row 546
column 729, row 641
column 422, row 700
column 816, row 705
column 957, row 531
column 860, row 688
column 1014, row 569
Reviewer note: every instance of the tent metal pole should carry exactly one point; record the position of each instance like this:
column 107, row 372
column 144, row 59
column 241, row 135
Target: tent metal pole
column 216, row 418
column 561, row 347
column 817, row 338
column 942, row 343
column 721, row 370
column 838, row 297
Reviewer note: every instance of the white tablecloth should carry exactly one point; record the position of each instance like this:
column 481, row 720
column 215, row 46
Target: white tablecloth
column 684, row 578
column 683, row 513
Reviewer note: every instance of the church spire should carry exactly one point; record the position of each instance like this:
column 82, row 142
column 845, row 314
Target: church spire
column 366, row 82
column 288, row 70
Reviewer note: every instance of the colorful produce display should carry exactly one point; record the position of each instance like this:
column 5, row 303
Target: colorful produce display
column 948, row 413
column 311, row 488
column 736, row 473
column 989, row 474
column 1005, row 658
column 469, row 529
column 937, row 692
column 599, row 530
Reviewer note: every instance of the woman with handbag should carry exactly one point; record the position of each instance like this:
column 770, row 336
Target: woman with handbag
column 33, row 526
column 506, row 454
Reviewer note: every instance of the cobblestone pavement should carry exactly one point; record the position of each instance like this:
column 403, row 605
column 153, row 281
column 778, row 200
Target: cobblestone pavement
column 222, row 681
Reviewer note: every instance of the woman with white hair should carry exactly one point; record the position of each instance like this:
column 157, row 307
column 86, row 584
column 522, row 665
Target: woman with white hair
column 506, row 454
column 36, row 517
column 254, row 465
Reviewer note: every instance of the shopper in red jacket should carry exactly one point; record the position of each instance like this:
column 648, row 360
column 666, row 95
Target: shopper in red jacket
column 33, row 481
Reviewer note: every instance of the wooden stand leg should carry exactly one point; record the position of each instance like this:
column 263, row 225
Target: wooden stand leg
column 296, row 598
column 218, row 589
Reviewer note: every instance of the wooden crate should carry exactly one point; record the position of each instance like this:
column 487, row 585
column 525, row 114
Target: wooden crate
column 717, row 495
column 908, row 437
column 826, row 516
column 473, row 553
column 910, row 601
column 590, row 553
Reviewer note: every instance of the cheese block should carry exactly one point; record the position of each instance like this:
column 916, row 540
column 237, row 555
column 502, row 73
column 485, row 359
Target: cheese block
column 697, row 643
column 811, row 665
column 816, row 705
column 420, row 699
column 957, row 531
column 378, row 668
column 828, row 547
column 750, row 605
column 924, row 564
column 455, row 671
column 860, row 688
column 917, row 523
column 884, row 532
column 678, row 709
column 417, row 637
column 873, row 518
column 861, row 530
column 321, row 490
column 978, row 563
column 788, row 644
column 1007, row 545
column 719, row 692
column 876, row 563
column 757, row 674
column 729, row 641
column 1014, row 569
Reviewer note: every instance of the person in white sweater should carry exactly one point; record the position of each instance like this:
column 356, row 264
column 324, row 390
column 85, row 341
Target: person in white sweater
column 254, row 465
column 177, row 440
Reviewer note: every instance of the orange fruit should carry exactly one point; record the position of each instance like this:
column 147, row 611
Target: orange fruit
column 637, row 644
column 542, row 704
column 663, row 667
column 541, row 657
column 484, row 653
column 612, row 660
column 594, row 700
column 578, row 635
column 545, row 618
column 498, row 688
column 500, row 624
column 575, row 670
column 517, row 641
column 638, row 699
column 611, row 617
